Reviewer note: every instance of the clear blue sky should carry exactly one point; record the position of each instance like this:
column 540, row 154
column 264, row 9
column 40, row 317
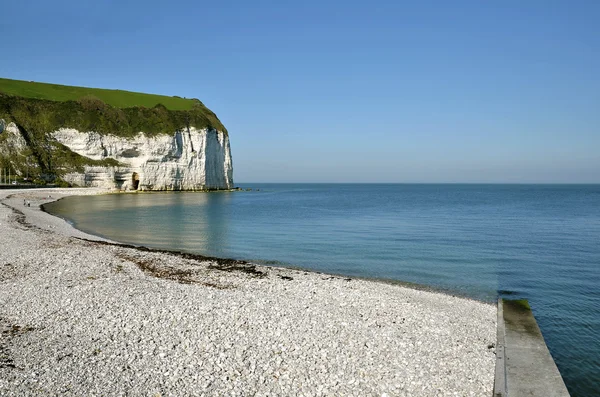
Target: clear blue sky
column 346, row 91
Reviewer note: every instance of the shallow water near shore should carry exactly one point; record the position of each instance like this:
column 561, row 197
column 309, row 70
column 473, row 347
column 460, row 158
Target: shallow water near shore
column 538, row 242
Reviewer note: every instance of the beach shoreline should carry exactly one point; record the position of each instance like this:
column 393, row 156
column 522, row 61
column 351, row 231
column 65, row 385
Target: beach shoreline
column 89, row 316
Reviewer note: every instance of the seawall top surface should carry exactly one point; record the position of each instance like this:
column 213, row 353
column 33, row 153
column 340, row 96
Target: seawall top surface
column 530, row 369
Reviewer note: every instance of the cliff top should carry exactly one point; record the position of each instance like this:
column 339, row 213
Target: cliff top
column 43, row 107
column 116, row 98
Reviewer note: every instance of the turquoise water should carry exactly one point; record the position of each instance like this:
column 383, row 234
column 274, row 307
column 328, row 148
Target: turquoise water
column 538, row 242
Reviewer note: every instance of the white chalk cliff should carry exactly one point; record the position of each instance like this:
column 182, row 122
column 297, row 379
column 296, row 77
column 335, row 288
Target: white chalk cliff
column 189, row 159
column 14, row 139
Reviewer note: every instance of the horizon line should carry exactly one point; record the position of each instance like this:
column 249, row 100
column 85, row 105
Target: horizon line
column 430, row 183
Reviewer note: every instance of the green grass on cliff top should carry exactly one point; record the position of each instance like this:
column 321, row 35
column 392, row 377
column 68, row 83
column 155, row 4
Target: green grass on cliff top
column 117, row 98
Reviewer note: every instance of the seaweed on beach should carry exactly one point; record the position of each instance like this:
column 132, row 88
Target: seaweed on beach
column 20, row 218
column 182, row 276
column 221, row 264
column 237, row 266
column 8, row 331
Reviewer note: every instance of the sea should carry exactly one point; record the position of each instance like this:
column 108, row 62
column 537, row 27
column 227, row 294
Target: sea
column 536, row 242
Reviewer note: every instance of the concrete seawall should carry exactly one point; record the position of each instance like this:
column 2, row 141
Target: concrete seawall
column 524, row 366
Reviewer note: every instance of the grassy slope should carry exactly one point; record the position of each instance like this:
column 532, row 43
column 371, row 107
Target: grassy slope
column 116, row 98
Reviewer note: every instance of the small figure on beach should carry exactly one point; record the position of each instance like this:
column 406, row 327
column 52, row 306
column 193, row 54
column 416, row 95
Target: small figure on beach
column 24, row 202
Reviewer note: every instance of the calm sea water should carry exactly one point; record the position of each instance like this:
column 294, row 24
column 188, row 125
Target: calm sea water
column 538, row 242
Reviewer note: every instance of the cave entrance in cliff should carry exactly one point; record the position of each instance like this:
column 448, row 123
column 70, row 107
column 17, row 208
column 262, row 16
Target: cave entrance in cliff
column 135, row 181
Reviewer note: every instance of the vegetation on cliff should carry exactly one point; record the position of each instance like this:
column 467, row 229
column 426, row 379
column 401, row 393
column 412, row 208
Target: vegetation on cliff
column 116, row 98
column 38, row 109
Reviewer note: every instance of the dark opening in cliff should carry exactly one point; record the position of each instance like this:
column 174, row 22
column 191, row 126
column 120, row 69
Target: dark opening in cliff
column 135, row 181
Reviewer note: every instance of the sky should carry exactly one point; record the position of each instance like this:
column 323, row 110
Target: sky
column 346, row 91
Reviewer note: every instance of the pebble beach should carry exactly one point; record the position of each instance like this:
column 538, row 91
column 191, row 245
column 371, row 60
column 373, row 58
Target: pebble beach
column 82, row 316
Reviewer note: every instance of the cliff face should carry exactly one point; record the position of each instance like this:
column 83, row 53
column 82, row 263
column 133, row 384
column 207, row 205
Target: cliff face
column 87, row 142
column 189, row 159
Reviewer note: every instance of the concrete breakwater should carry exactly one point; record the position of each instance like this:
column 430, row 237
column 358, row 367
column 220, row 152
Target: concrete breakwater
column 90, row 318
column 524, row 366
